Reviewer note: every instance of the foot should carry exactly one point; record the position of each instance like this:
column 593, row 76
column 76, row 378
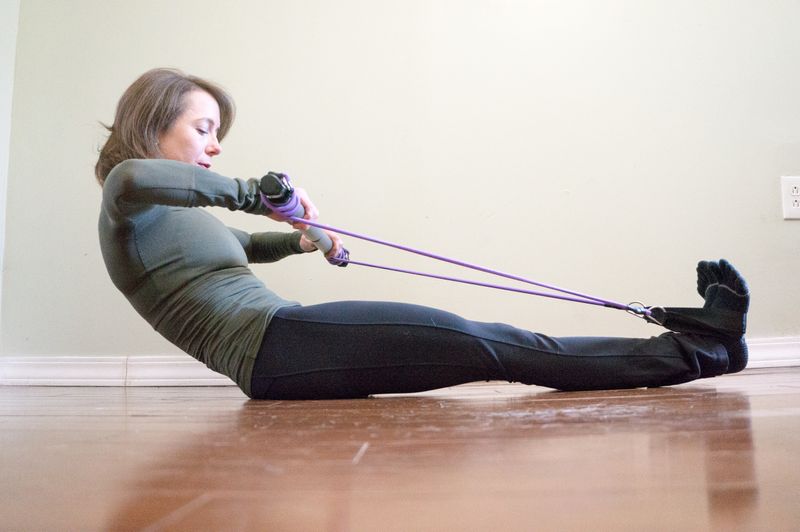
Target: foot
column 724, row 313
column 723, row 288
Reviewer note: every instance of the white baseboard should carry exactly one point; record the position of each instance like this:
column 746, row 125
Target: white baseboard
column 119, row 370
column 774, row 352
column 183, row 370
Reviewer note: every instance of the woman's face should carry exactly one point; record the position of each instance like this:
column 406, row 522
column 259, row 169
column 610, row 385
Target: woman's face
column 192, row 138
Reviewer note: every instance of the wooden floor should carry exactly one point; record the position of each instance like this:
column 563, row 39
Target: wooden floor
column 720, row 454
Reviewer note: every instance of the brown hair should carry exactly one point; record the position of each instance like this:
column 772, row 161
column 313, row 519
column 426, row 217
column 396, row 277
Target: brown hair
column 147, row 109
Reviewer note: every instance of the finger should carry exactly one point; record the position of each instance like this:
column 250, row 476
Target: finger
column 300, row 226
column 334, row 246
column 337, row 245
column 311, row 212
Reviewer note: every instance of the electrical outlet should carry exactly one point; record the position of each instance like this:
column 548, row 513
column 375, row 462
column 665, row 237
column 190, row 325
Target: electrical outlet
column 790, row 197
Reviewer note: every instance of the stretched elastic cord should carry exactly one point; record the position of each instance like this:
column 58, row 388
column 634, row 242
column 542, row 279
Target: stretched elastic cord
column 573, row 296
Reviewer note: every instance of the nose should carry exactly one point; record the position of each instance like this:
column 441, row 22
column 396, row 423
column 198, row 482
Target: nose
column 213, row 148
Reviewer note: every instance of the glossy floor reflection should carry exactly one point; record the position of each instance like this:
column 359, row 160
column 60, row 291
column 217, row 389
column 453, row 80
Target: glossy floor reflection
column 719, row 454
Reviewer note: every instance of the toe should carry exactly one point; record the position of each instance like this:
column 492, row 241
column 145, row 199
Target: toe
column 707, row 274
column 732, row 278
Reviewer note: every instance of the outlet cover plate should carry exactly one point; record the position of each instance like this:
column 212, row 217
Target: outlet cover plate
column 790, row 197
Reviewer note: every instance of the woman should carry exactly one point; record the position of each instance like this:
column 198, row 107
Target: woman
column 187, row 275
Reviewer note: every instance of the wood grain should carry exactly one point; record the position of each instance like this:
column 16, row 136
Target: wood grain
column 720, row 454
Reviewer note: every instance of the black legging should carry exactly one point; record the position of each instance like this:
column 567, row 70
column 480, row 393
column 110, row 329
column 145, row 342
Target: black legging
column 354, row 349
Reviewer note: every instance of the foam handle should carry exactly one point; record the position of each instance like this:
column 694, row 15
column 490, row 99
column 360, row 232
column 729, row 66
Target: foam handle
column 278, row 194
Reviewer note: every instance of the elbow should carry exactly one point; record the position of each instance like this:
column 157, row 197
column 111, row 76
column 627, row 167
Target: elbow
column 123, row 181
column 124, row 173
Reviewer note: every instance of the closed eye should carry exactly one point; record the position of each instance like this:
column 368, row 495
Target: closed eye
column 201, row 131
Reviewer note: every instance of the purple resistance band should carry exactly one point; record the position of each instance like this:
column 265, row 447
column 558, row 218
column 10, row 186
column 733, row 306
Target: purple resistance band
column 290, row 208
column 578, row 297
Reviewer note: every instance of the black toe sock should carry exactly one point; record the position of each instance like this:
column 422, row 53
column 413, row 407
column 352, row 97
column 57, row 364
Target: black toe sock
column 724, row 313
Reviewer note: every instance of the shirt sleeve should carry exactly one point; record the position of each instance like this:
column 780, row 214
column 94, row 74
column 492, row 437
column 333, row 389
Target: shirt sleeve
column 268, row 246
column 135, row 185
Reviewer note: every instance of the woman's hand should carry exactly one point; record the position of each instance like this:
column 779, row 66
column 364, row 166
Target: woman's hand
column 310, row 210
column 311, row 213
column 308, row 246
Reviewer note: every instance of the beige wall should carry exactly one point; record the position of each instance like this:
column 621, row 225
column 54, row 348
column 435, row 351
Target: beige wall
column 603, row 146
column 9, row 15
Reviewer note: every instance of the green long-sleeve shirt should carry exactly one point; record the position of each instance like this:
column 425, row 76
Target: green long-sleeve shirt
column 182, row 269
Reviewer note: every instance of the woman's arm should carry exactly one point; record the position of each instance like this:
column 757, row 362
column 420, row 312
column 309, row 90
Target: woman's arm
column 136, row 184
column 268, row 246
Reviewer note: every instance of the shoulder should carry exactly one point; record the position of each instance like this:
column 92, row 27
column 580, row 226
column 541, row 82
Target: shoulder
column 126, row 172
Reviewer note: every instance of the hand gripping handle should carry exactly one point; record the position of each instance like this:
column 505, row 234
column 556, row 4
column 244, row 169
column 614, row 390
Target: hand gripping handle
column 277, row 193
